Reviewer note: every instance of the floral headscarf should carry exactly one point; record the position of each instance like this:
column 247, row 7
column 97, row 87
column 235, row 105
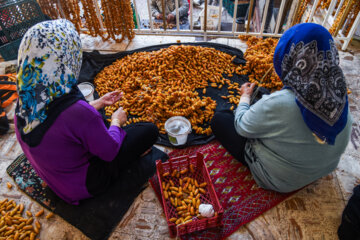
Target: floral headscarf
column 49, row 63
column 307, row 61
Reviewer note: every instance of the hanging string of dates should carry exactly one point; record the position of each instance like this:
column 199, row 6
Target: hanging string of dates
column 112, row 19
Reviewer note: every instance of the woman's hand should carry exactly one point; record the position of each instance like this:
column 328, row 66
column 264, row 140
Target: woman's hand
column 159, row 16
column 111, row 98
column 247, row 89
column 170, row 18
column 107, row 100
column 119, row 118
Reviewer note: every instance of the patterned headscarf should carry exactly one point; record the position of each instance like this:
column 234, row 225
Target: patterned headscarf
column 307, row 61
column 49, row 63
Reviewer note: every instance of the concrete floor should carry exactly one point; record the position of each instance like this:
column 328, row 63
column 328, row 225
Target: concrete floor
column 312, row 213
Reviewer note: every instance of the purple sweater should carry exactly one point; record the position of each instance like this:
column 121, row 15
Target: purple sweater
column 62, row 157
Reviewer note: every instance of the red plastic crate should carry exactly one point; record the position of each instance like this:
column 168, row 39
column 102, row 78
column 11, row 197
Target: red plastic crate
column 201, row 174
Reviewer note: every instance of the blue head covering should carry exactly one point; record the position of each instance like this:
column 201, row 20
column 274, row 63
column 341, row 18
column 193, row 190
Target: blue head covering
column 49, row 63
column 307, row 62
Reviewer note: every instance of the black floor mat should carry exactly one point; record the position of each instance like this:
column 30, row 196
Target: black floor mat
column 94, row 62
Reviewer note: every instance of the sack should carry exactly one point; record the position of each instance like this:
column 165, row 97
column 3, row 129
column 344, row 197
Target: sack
column 8, row 94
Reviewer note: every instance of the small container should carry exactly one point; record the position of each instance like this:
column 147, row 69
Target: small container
column 87, row 89
column 178, row 129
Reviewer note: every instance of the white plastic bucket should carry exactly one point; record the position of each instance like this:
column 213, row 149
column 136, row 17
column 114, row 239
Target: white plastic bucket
column 87, row 89
column 178, row 129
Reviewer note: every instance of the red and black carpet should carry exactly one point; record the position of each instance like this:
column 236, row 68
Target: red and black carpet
column 236, row 189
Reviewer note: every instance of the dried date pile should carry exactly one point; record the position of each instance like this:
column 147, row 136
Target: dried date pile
column 259, row 59
column 161, row 84
column 17, row 223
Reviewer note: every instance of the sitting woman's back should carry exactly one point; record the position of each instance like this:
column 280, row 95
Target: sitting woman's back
column 63, row 136
column 61, row 158
column 294, row 136
column 287, row 155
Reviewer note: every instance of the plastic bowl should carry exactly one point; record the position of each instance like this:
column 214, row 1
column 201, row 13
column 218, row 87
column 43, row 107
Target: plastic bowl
column 178, row 129
column 87, row 89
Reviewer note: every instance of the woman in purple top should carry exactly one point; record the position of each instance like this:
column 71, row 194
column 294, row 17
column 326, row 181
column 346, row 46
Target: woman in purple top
column 63, row 136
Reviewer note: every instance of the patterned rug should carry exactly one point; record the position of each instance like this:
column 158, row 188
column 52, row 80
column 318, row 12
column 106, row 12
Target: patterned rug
column 236, row 189
column 29, row 182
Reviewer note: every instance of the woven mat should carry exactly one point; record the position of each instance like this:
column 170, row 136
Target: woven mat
column 236, row 189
